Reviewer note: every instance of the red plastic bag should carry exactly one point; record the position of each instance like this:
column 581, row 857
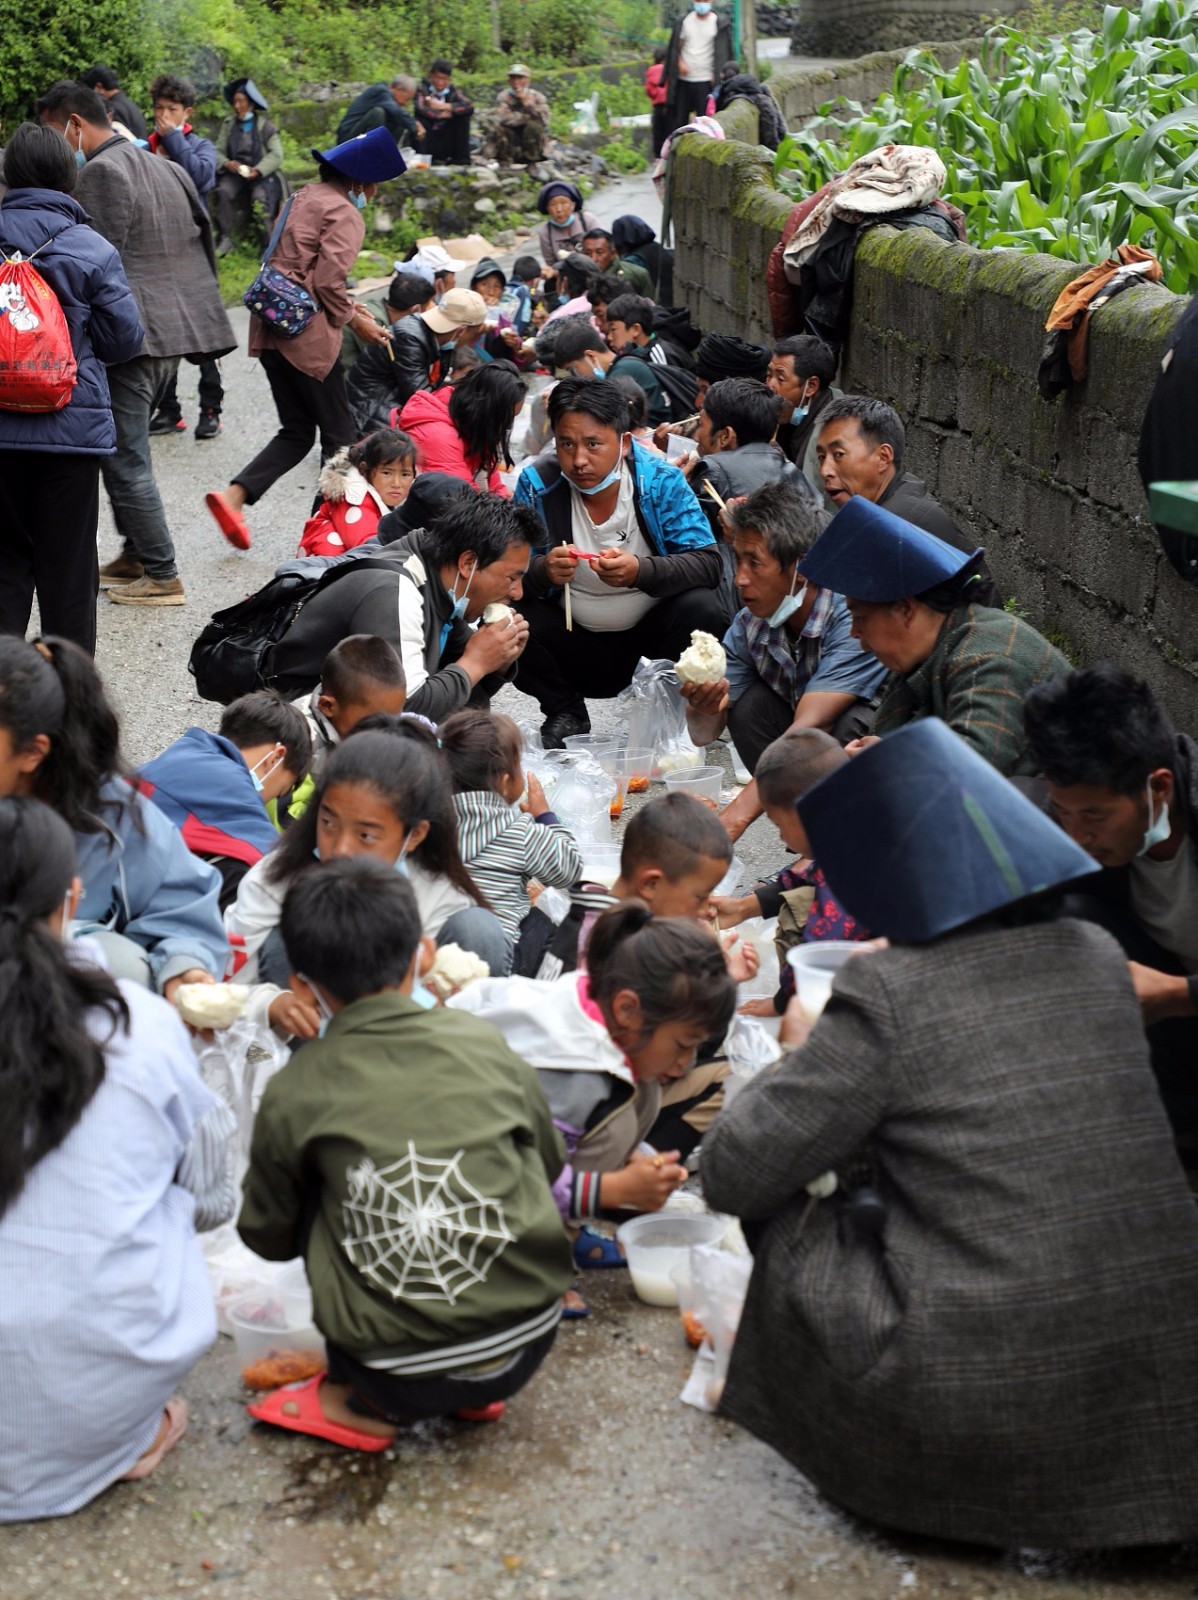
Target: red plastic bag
column 37, row 361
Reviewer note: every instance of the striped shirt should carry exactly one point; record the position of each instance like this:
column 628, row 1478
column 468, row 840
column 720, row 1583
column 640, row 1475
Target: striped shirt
column 504, row 848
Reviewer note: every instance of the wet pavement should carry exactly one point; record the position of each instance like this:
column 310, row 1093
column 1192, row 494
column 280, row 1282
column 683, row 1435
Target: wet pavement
column 598, row 1482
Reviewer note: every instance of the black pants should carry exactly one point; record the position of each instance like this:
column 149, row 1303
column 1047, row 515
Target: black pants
column 659, row 130
column 232, row 190
column 1173, row 1042
column 561, row 668
column 448, row 141
column 49, row 511
column 211, row 397
column 307, row 407
column 690, row 101
column 415, row 1399
column 760, row 716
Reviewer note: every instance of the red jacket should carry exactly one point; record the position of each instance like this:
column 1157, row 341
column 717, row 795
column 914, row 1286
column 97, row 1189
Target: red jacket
column 348, row 515
column 439, row 447
column 655, row 83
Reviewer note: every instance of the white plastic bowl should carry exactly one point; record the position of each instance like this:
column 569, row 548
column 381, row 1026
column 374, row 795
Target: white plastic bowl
column 815, row 966
column 656, row 1246
column 272, row 1322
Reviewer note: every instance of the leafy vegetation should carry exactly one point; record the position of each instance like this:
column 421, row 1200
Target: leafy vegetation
column 1071, row 146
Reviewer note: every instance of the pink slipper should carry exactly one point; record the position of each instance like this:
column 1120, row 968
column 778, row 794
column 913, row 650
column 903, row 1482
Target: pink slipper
column 231, row 523
column 296, row 1407
column 175, row 1411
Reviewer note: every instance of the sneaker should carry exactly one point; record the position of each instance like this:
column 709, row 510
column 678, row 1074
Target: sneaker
column 208, row 425
column 163, row 423
column 555, row 729
column 149, row 592
column 125, row 569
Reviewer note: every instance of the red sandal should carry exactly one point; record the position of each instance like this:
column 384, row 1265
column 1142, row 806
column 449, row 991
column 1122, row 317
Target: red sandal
column 491, row 1413
column 296, row 1407
column 231, row 523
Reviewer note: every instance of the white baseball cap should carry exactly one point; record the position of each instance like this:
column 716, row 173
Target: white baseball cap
column 431, row 259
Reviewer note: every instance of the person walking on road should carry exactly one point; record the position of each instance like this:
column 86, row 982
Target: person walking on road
column 319, row 244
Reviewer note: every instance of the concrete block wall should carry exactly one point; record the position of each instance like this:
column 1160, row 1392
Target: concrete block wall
column 801, row 91
column 849, row 27
column 952, row 337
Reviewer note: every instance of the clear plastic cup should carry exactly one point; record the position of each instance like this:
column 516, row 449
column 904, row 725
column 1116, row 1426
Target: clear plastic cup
column 601, row 863
column 705, row 783
column 620, row 779
column 677, row 446
column 815, row 966
column 595, row 744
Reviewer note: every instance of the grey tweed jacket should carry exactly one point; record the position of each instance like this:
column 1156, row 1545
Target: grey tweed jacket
column 148, row 208
column 1015, row 1360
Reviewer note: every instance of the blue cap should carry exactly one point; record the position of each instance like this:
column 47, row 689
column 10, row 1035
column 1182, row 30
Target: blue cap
column 370, row 158
column 869, row 553
column 919, row 835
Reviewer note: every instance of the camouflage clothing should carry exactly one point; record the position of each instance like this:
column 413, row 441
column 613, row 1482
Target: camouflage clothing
column 521, row 127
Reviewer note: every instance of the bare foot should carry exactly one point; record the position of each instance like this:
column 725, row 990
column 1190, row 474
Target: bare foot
column 573, row 1301
column 235, row 495
column 334, row 1402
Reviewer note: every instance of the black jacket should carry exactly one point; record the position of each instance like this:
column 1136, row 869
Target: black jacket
column 377, row 97
column 725, row 51
column 365, row 599
column 907, row 496
column 376, row 382
column 738, row 472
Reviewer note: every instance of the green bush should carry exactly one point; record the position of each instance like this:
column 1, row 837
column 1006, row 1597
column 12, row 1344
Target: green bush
column 59, row 41
column 1071, row 146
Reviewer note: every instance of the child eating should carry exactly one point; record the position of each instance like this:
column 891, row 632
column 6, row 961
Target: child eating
column 359, row 486
column 360, row 677
column 503, row 848
column 408, row 1154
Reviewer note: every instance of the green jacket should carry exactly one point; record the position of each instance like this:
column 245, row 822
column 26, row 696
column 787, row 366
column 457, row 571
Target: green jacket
column 421, row 1152
column 636, row 276
column 976, row 680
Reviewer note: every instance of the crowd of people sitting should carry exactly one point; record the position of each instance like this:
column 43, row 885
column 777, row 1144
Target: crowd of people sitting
column 1005, row 1267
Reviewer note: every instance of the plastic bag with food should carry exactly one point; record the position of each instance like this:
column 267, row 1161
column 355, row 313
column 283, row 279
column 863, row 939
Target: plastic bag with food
column 720, row 1282
column 750, row 1049
column 237, row 1065
column 654, row 713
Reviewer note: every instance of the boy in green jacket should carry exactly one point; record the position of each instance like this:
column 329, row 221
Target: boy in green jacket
column 408, row 1155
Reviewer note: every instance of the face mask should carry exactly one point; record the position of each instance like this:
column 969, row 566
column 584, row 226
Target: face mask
column 260, row 783
column 359, row 199
column 791, row 603
column 422, row 996
column 400, row 864
column 1159, row 830
column 459, row 605
column 702, row 8
column 80, row 158
column 797, row 415
column 322, row 1005
column 247, row 121
column 65, row 932
column 598, row 372
column 605, row 483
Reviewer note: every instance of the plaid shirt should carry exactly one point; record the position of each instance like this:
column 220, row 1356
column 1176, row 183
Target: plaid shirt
column 785, row 669
column 976, row 680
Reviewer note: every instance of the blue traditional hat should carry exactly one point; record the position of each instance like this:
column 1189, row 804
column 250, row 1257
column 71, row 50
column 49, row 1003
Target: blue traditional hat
column 370, row 158
column 919, row 835
column 249, row 89
column 869, row 553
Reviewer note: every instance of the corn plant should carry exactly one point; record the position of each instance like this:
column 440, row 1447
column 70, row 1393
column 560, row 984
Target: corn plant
column 1070, row 145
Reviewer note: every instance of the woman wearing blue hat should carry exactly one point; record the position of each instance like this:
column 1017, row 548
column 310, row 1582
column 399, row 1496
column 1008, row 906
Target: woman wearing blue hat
column 912, row 600
column 989, row 1331
column 314, row 245
column 251, row 161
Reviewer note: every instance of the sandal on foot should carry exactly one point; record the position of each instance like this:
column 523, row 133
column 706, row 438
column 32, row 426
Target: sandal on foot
column 574, row 1313
column 296, row 1407
column 231, row 523
column 175, row 1411
column 491, row 1413
column 594, row 1250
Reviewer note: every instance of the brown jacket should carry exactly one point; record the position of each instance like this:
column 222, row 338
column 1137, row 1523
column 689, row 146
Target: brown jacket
column 318, row 249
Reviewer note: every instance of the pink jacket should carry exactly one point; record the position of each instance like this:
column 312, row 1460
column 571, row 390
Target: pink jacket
column 439, row 447
column 655, row 83
column 318, row 248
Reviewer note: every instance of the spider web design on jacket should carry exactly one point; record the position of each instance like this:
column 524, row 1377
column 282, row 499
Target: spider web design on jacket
column 420, row 1230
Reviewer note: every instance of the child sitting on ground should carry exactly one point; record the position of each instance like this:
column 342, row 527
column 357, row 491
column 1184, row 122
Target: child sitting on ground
column 503, row 849
column 409, row 1155
column 385, row 792
column 360, row 677
column 806, row 909
column 217, row 787
column 360, row 485
column 673, row 855
column 604, row 1041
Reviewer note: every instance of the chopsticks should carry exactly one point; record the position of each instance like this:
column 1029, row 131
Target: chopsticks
column 566, row 592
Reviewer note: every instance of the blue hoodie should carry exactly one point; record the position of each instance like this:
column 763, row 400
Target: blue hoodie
column 140, row 879
column 202, row 784
column 86, row 274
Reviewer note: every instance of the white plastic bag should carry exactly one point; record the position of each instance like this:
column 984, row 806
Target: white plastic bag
column 237, row 1065
column 654, row 712
column 719, row 1284
column 750, row 1049
column 582, row 798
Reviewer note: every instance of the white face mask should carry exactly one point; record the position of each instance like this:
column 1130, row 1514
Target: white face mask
column 326, row 1011
column 1158, row 830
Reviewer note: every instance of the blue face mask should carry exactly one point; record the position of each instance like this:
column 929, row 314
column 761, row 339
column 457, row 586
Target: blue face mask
column 598, row 372
column 422, row 996
column 783, row 613
column 401, row 865
column 798, row 414
column 604, row 483
column 247, row 121
column 1157, row 831
column 702, row 8
column 459, row 605
column 260, row 783
column 359, row 199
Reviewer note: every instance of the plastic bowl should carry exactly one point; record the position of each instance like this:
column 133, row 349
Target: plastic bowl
column 815, row 966
column 657, row 1245
column 636, row 765
column 274, row 1324
column 705, row 783
column 601, row 863
column 596, row 744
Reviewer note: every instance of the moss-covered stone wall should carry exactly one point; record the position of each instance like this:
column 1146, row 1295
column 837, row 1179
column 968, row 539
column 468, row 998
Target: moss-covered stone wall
column 952, row 337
